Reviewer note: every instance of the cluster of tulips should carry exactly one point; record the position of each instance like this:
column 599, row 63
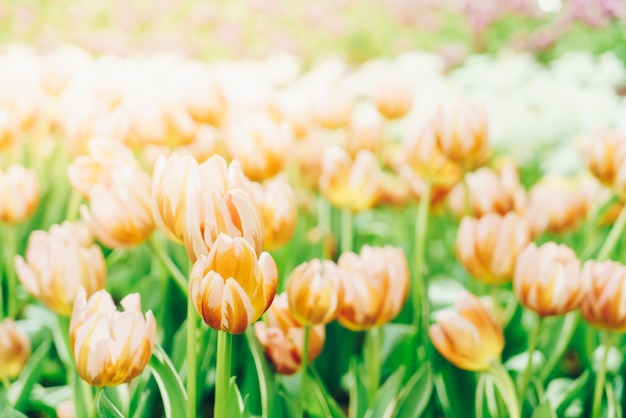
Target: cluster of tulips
column 102, row 158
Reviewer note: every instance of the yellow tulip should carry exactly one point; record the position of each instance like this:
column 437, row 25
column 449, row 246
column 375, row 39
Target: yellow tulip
column 14, row 349
column 19, row 194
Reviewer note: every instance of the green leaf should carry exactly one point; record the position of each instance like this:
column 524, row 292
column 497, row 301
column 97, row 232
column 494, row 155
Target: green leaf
column 385, row 400
column 317, row 400
column 266, row 382
column 480, row 395
column 237, row 405
column 170, row 386
column 11, row 413
column 415, row 395
column 105, row 408
column 20, row 389
column 573, row 391
column 614, row 407
column 358, row 392
column 543, row 411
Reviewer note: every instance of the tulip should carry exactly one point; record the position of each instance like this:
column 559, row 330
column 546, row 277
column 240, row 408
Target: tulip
column 14, row 349
column 19, row 194
column 120, row 214
column 547, row 279
column 365, row 131
column 314, row 292
column 488, row 247
column 604, row 295
column 426, row 158
column 204, row 99
column 278, row 211
column 282, row 337
column 331, row 108
column 470, row 337
column 349, row 184
column 60, row 262
column 375, row 286
column 605, row 154
column 393, row 98
column 230, row 287
column 110, row 347
column 461, row 132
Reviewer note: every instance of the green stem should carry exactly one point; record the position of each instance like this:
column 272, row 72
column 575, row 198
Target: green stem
column 507, row 389
column 192, row 358
column 222, row 383
column 323, row 225
column 372, row 358
column 10, row 245
column 259, row 361
column 532, row 344
column 83, row 395
column 419, row 293
column 305, row 362
column 600, row 378
column 566, row 333
column 346, row 230
column 73, row 205
column 611, row 240
column 179, row 277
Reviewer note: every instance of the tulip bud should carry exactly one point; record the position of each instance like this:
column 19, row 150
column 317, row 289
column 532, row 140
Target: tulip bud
column 426, row 158
column 110, row 347
column 365, row 131
column 605, row 155
column 204, row 99
column 489, row 193
column 60, row 262
column 278, row 211
column 121, row 212
column 230, row 287
column 375, row 286
column 547, row 279
column 14, row 349
column 470, row 337
column 349, row 184
column 461, row 132
column 604, row 295
column 282, row 337
column 332, row 107
column 314, row 292
column 19, row 194
column 488, row 247
column 393, row 98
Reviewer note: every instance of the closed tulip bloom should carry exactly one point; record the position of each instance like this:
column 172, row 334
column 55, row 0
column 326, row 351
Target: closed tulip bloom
column 349, row 184
column 278, row 211
column 547, row 279
column 604, row 155
column 470, row 337
column 365, row 131
column 14, row 349
column 375, row 286
column 230, row 287
column 314, row 292
column 604, row 295
column 489, row 192
column 331, row 108
column 120, row 214
column 204, row 99
column 426, row 158
column 19, row 194
column 488, row 247
column 110, row 347
column 173, row 181
column 393, row 97
column 60, row 262
column 461, row 130
column 282, row 337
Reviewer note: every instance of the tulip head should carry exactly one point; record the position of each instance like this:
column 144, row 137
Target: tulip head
column 488, row 247
column 230, row 287
column 282, row 337
column 14, row 349
column 60, row 262
column 393, row 98
column 110, row 347
column 19, row 194
column 603, row 304
column 375, row 286
column 547, row 279
column 331, row 108
column 278, row 211
column 314, row 292
column 470, row 337
column 605, row 154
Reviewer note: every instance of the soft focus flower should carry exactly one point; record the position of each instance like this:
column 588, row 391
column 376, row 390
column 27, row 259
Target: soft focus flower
column 120, row 213
column 604, row 295
column 66, row 409
column 393, row 98
column 282, row 337
column 426, row 158
column 347, row 183
column 375, row 286
column 332, row 107
column 605, row 155
column 14, row 349
column 60, row 262
column 19, row 194
column 489, row 192
column 547, row 279
column 314, row 291
column 470, row 337
column 110, row 347
column 365, row 131
column 488, row 247
column 203, row 98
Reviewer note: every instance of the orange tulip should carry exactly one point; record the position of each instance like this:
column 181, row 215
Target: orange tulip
column 604, row 295
column 393, row 98
column 19, row 194
column 14, row 349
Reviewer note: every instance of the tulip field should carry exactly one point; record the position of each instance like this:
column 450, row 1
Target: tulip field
column 423, row 217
